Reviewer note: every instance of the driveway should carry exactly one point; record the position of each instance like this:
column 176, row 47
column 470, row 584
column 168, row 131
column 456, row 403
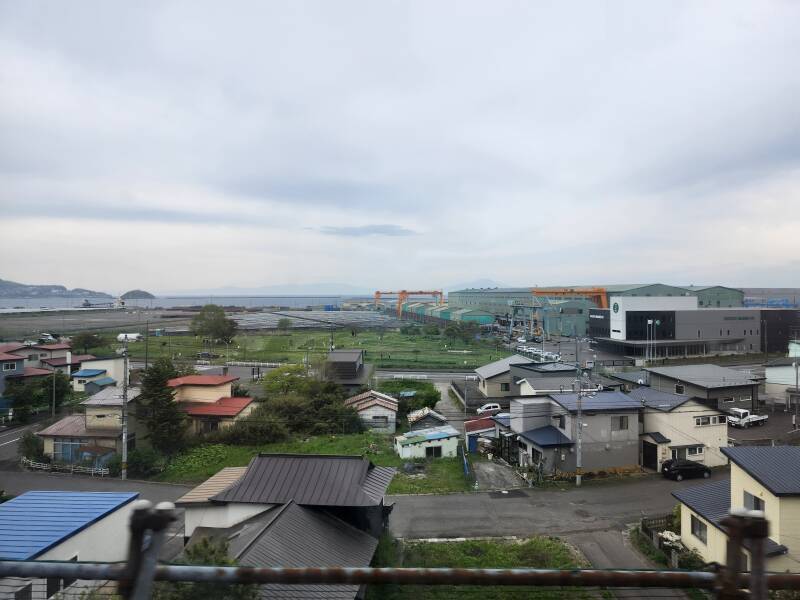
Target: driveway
column 492, row 475
column 450, row 409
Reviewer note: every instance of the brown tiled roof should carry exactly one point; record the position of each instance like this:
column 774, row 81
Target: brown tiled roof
column 201, row 380
column 224, row 407
column 371, row 398
column 213, row 485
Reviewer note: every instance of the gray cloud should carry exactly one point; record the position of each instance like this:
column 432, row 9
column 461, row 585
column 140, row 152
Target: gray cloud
column 364, row 230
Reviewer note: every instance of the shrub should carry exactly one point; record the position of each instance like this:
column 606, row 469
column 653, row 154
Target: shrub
column 142, row 464
column 31, row 446
column 691, row 560
column 258, row 428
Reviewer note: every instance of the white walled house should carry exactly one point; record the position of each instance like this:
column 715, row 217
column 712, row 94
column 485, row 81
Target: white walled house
column 436, row 442
column 70, row 526
column 677, row 426
column 377, row 411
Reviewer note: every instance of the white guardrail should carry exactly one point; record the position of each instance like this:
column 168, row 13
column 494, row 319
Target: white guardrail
column 93, row 471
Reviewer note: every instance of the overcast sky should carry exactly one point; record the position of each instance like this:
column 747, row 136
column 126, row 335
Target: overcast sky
column 190, row 145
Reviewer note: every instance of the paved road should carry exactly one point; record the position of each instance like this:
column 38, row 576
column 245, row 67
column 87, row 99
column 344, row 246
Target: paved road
column 552, row 511
column 9, row 438
column 20, row 482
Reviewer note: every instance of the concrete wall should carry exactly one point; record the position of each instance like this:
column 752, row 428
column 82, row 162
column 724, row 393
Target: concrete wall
column 527, row 414
column 449, row 448
column 679, row 425
column 203, row 393
column 604, row 448
column 367, row 415
column 219, row 515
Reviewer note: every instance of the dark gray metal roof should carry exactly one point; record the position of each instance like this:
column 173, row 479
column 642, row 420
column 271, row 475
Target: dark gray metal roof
column 705, row 376
column 548, row 367
column 632, row 376
column 776, row 468
column 297, row 536
column 344, row 355
column 310, row 479
column 546, row 436
column 599, row 401
column 658, row 437
column 712, row 501
column 493, row 369
column 659, row 400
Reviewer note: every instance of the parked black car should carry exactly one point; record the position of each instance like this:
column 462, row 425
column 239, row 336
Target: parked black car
column 680, row 469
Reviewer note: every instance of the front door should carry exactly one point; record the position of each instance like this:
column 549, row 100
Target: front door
column 649, row 455
column 679, row 453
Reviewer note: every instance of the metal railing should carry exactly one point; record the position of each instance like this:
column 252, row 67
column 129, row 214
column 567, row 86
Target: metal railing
column 135, row 579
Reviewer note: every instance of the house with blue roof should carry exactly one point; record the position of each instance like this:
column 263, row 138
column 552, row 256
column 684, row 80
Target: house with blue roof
column 543, row 433
column 68, row 526
column 434, row 442
column 679, row 426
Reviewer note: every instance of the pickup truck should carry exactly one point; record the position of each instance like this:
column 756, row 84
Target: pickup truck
column 741, row 417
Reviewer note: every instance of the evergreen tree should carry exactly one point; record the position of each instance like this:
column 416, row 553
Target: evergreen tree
column 157, row 409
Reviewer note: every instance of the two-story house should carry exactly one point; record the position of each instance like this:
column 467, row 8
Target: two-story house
column 545, row 429
column 495, row 379
column 762, row 478
column 718, row 387
column 208, row 401
column 677, row 426
column 93, row 437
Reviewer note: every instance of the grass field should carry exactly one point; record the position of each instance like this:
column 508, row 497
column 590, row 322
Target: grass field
column 441, row 475
column 537, row 552
column 386, row 349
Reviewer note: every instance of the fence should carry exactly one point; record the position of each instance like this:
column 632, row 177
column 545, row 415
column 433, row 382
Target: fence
column 136, row 577
column 65, row 468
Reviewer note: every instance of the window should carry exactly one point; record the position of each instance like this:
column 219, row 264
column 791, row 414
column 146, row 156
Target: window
column 752, row 502
column 699, row 529
column 81, row 381
column 728, row 399
column 700, row 421
column 505, row 387
column 694, row 450
column 433, row 452
column 66, row 449
column 209, row 425
column 10, row 366
column 619, row 423
column 679, row 389
column 380, row 420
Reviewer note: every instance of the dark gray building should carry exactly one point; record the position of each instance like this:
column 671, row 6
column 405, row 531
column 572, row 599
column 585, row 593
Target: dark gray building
column 348, row 369
column 718, row 387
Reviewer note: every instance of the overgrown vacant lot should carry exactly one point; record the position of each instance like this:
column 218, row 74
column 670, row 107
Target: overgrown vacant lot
column 441, row 475
column 537, row 552
column 390, row 349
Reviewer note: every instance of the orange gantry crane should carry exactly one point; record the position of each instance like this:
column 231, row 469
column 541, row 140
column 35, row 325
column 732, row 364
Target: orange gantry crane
column 596, row 295
column 403, row 295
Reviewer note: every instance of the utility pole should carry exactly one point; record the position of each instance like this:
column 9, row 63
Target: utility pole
column 124, row 469
column 54, row 391
column 578, row 445
column 146, row 342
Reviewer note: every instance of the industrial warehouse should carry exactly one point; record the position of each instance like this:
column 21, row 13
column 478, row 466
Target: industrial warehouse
column 647, row 320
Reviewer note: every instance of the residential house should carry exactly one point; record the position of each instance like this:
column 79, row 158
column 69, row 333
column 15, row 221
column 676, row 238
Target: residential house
column 348, row 369
column 66, row 364
column 538, row 370
column 208, row 401
column 63, row 526
column 348, row 487
column 11, row 365
column 92, row 438
column 718, row 387
column 478, row 428
column 434, row 442
column 84, row 376
column 114, row 366
column 546, row 431
column 377, row 411
column 557, row 384
column 425, row 418
column 495, row 380
column 677, row 426
column 35, row 355
column 765, row 478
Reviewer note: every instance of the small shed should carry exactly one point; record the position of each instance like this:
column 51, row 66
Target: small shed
column 425, row 418
column 435, row 442
column 377, row 411
column 483, row 427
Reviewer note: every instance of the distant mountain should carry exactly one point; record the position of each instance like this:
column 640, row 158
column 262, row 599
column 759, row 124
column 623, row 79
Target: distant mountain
column 12, row 289
column 475, row 283
column 137, row 295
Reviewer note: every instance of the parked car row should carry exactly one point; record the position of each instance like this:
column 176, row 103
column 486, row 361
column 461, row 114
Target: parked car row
column 539, row 353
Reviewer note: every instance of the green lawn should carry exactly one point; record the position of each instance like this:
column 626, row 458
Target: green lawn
column 389, row 349
column 537, row 552
column 441, row 475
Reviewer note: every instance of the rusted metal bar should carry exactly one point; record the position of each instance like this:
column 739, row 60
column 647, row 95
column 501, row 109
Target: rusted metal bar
column 408, row 576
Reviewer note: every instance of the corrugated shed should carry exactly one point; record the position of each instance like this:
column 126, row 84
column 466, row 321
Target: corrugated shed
column 317, row 480
column 34, row 522
column 427, row 435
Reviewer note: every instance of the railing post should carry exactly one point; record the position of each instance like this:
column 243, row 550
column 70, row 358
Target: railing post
column 741, row 525
column 148, row 525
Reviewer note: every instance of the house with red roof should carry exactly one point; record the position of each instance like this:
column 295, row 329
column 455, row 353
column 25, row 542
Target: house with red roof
column 209, row 402
column 477, row 428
